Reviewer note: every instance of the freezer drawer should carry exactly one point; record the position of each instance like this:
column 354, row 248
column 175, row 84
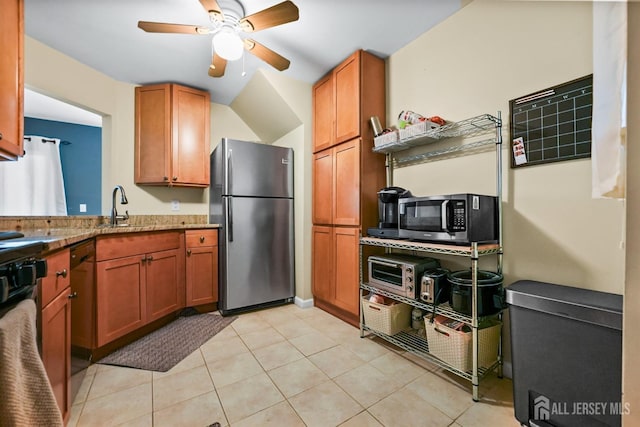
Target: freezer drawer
column 566, row 347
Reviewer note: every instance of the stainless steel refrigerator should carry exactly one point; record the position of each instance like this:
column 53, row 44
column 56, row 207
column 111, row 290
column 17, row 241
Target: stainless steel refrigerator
column 251, row 197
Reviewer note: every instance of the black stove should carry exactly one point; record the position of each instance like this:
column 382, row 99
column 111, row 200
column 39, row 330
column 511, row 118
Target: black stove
column 20, row 268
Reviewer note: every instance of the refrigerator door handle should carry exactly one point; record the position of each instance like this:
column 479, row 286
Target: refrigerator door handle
column 229, row 172
column 229, row 215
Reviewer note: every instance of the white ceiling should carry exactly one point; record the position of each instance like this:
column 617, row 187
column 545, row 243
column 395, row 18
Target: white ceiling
column 104, row 35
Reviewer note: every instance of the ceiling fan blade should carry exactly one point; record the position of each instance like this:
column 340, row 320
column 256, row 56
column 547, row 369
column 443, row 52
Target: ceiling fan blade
column 212, row 8
column 275, row 15
column 267, row 55
column 218, row 64
column 161, row 27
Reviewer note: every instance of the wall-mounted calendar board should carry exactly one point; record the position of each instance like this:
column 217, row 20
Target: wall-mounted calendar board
column 552, row 125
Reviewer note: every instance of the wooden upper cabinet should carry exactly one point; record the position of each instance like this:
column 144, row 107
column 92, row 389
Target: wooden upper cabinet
column 323, row 120
column 172, row 136
column 347, row 104
column 11, row 79
column 346, row 98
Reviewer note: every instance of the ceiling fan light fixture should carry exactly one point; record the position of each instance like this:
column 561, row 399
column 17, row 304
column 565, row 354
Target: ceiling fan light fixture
column 228, row 44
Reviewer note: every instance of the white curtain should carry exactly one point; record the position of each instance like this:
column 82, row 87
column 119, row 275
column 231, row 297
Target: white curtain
column 33, row 185
column 609, row 99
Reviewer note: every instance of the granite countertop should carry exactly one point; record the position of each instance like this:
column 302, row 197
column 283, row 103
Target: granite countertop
column 58, row 233
column 61, row 237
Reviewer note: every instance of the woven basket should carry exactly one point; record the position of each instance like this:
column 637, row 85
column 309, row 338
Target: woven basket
column 388, row 319
column 455, row 347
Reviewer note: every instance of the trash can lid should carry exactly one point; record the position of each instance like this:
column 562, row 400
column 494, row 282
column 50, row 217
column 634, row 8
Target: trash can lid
column 599, row 308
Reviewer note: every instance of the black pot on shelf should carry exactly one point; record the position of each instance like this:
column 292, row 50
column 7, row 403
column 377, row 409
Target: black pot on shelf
column 490, row 292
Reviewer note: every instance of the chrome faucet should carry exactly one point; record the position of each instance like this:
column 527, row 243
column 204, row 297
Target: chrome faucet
column 123, row 200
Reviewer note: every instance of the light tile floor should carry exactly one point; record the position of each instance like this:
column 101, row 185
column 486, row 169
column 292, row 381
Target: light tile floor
column 288, row 366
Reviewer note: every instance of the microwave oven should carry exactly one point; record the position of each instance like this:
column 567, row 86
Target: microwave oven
column 399, row 274
column 456, row 218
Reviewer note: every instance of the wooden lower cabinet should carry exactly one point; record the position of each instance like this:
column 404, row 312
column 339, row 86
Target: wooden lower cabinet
column 335, row 271
column 55, row 328
column 163, row 284
column 201, row 267
column 138, row 279
column 120, row 298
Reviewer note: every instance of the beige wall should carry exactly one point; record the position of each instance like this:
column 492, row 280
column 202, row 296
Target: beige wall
column 49, row 72
column 474, row 63
column 631, row 337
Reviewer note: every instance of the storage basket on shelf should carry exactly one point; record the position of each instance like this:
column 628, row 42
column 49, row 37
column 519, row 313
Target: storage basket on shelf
column 452, row 345
column 388, row 319
column 385, row 138
column 417, row 129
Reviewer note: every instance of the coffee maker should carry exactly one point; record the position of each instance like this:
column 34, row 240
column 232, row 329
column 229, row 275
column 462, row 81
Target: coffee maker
column 388, row 212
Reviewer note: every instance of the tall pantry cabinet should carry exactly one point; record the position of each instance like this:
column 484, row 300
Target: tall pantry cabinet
column 346, row 178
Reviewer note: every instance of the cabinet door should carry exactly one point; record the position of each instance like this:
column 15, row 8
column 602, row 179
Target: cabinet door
column 120, row 297
column 83, row 305
column 346, row 183
column 56, row 348
column 322, row 209
column 153, row 134
column 323, row 114
column 347, row 279
column 190, row 140
column 163, row 281
column 322, row 263
column 11, row 79
column 347, row 101
column 202, row 275
column 58, row 276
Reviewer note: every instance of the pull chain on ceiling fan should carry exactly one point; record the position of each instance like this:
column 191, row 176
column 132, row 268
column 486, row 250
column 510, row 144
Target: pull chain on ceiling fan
column 227, row 24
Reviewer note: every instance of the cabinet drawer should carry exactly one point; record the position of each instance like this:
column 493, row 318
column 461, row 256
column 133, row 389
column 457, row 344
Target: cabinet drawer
column 124, row 245
column 58, row 276
column 201, row 238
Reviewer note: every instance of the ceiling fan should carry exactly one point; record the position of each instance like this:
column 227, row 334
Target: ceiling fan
column 227, row 23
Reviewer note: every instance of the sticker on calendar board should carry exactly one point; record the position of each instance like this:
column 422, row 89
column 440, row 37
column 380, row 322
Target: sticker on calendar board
column 519, row 155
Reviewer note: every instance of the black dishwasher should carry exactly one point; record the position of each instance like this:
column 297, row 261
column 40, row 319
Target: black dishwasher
column 566, row 348
column 83, row 261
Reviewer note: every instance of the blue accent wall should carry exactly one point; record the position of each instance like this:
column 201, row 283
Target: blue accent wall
column 81, row 161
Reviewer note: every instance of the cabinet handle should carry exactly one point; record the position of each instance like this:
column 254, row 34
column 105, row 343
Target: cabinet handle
column 150, row 258
column 166, row 178
column 0, row 135
column 73, row 295
column 62, row 273
column 175, row 178
column 188, row 252
column 144, row 258
column 201, row 239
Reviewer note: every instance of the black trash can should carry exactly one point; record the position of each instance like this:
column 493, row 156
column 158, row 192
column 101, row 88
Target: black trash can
column 566, row 348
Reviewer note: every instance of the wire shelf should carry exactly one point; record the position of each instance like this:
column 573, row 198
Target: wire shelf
column 417, row 344
column 466, row 251
column 417, row 158
column 469, row 127
column 444, row 309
